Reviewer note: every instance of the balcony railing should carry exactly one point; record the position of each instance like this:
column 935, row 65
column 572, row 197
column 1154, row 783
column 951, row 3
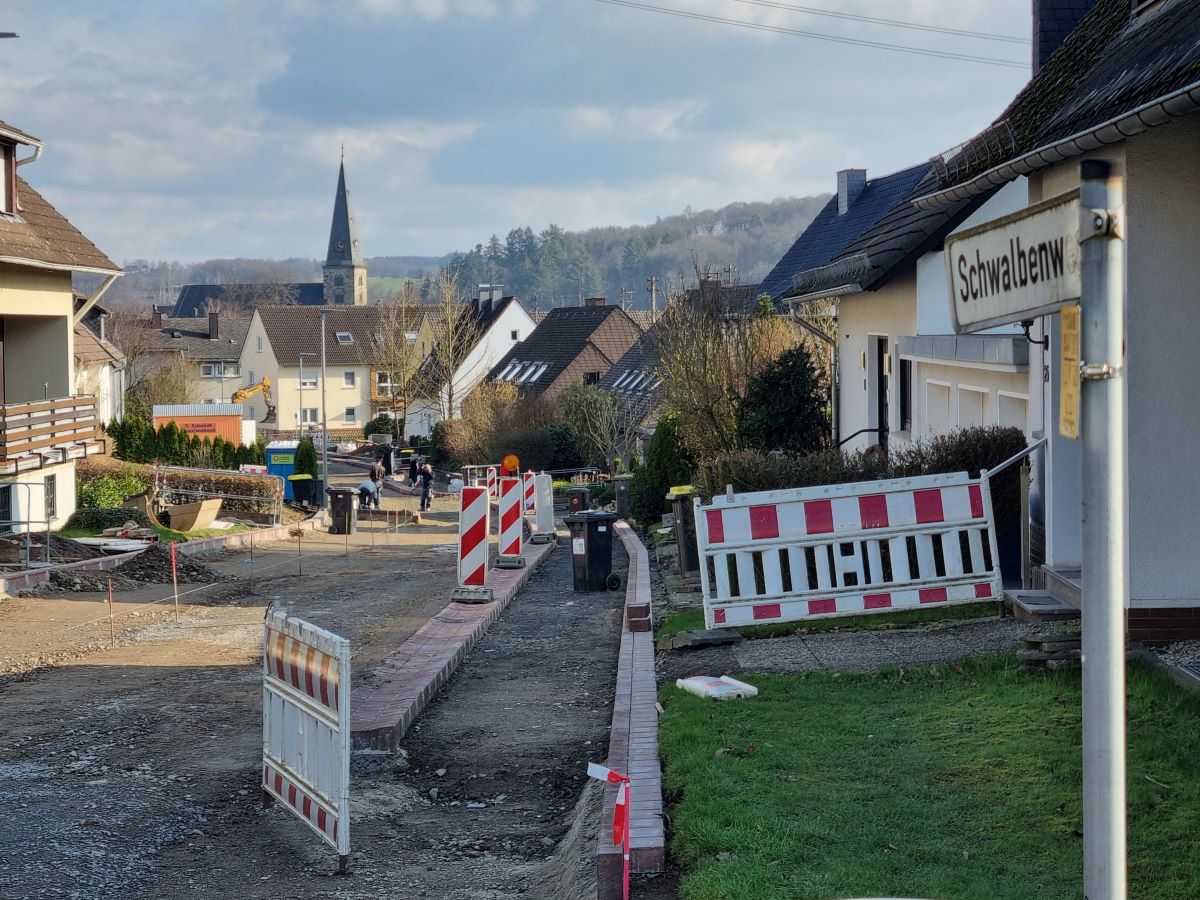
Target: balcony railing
column 31, row 431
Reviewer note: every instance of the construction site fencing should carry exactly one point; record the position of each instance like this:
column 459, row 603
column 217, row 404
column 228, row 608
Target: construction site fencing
column 847, row 549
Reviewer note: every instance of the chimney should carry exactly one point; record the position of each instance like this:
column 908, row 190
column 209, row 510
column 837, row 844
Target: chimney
column 594, row 301
column 497, row 292
column 214, row 326
column 1053, row 21
column 851, row 183
column 156, row 317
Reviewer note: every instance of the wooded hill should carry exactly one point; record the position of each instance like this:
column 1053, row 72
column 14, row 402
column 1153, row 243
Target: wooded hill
column 553, row 267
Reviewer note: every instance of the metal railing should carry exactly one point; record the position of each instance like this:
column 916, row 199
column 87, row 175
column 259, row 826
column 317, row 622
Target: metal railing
column 162, row 489
column 1015, row 458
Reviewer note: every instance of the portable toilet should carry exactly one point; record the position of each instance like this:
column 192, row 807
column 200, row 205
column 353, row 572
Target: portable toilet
column 281, row 461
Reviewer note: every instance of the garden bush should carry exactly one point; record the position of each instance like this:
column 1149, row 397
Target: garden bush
column 306, row 458
column 667, row 465
column 383, row 424
column 108, row 489
column 99, row 519
column 135, row 440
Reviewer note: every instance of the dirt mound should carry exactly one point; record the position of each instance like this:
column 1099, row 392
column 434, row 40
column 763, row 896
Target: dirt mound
column 153, row 566
column 62, row 550
column 82, row 581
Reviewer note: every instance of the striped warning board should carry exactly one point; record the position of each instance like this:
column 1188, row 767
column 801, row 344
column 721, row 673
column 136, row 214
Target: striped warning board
column 306, row 725
column 782, row 556
column 473, row 525
column 511, row 523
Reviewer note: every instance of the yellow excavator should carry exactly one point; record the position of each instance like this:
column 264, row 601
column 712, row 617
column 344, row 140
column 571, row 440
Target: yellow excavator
column 263, row 387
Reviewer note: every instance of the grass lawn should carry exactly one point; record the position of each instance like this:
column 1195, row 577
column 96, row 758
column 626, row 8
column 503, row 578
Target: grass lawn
column 948, row 783
column 693, row 619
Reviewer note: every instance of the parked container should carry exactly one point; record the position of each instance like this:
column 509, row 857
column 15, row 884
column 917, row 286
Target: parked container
column 591, row 550
column 343, row 510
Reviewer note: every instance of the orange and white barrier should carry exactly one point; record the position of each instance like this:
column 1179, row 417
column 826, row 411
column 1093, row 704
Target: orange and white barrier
column 474, row 524
column 511, row 523
column 491, row 482
column 527, row 487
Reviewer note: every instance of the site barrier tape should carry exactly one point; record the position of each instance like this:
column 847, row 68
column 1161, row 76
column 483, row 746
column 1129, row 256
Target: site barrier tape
column 621, row 812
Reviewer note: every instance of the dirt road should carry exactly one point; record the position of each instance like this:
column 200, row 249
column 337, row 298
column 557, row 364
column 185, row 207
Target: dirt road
column 133, row 772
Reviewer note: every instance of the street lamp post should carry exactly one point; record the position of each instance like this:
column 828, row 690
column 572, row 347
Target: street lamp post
column 324, row 415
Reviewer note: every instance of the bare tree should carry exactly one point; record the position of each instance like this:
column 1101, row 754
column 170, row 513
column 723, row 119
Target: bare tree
column 706, row 356
column 134, row 335
column 457, row 328
column 395, row 357
column 605, row 424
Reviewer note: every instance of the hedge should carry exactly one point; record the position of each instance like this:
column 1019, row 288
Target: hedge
column 99, row 519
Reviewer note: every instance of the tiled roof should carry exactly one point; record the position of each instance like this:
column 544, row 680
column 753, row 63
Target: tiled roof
column 42, row 237
column 644, row 317
column 535, row 363
column 829, row 234
column 89, row 348
column 293, row 330
column 1112, row 65
column 194, row 298
column 891, row 245
column 18, row 134
column 189, row 336
column 633, row 379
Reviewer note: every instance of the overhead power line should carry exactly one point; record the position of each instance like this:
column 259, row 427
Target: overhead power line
column 837, row 39
column 894, row 23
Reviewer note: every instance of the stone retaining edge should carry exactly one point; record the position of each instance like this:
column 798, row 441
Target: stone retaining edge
column 633, row 740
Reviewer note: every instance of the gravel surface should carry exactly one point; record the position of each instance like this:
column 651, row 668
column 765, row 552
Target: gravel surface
column 1181, row 653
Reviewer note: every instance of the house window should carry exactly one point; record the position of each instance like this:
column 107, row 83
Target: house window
column 351, row 413
column 210, row 370
column 972, row 407
column 906, row 395
column 231, row 370
column 540, row 372
column 308, row 416
column 6, row 508
column 591, row 377
column 348, row 379
column 344, row 337
column 308, row 378
column 51, row 483
column 339, row 295
column 339, row 281
column 513, row 335
column 7, row 154
column 258, row 344
column 210, row 400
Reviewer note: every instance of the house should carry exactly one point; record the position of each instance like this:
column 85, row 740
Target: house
column 572, row 344
column 1124, row 87
column 344, row 282
column 492, row 325
column 636, row 385
column 100, row 371
column 283, row 344
column 45, row 425
column 210, row 348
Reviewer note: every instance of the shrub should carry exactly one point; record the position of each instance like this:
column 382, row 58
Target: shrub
column 107, row 489
column 306, row 458
column 99, row 519
column 667, row 464
column 566, row 453
column 534, row 447
column 785, row 406
column 383, row 424
column 260, row 491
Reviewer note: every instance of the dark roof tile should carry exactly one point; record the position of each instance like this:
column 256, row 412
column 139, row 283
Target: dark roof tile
column 41, row 236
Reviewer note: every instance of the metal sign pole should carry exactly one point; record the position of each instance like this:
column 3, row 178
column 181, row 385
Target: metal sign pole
column 1105, row 544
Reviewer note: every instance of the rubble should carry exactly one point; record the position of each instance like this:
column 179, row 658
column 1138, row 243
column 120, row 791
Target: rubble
column 153, row 566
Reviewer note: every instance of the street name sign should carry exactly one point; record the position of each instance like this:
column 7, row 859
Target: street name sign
column 1016, row 267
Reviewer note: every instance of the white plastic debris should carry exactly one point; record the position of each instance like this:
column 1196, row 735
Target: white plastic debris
column 723, row 688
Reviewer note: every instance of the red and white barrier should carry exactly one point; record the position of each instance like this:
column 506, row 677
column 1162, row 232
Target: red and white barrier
column 621, row 812
column 527, row 486
column 491, row 482
column 474, row 524
column 785, row 556
column 511, row 523
column 306, row 725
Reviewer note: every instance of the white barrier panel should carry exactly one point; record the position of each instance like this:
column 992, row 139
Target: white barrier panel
column 544, row 514
column 306, row 725
column 847, row 549
column 491, row 481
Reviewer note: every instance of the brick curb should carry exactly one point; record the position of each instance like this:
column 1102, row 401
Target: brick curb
column 19, row 581
column 402, row 686
column 633, row 740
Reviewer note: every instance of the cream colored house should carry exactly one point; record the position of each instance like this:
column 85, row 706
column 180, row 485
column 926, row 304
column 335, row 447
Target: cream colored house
column 44, row 424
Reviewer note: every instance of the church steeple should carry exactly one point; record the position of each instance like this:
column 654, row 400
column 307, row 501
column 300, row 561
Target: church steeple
column 345, row 272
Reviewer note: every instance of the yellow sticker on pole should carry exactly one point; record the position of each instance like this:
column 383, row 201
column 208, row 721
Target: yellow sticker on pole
column 1068, row 397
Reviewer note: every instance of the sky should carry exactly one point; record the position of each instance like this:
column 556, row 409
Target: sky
column 194, row 129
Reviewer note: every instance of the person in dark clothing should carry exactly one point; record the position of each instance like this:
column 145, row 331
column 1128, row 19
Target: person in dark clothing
column 378, row 472
column 412, row 470
column 426, row 481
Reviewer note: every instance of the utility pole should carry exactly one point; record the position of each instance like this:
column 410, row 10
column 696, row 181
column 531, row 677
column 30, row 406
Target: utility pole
column 653, row 283
column 1105, row 538
column 324, row 416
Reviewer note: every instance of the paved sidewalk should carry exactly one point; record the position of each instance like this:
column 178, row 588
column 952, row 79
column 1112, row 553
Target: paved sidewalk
column 864, row 651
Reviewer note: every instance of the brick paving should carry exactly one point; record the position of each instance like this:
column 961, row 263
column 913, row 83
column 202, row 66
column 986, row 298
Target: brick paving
column 633, row 740
column 385, row 707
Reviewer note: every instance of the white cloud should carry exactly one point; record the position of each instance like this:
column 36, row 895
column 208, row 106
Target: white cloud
column 435, row 10
column 660, row 120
